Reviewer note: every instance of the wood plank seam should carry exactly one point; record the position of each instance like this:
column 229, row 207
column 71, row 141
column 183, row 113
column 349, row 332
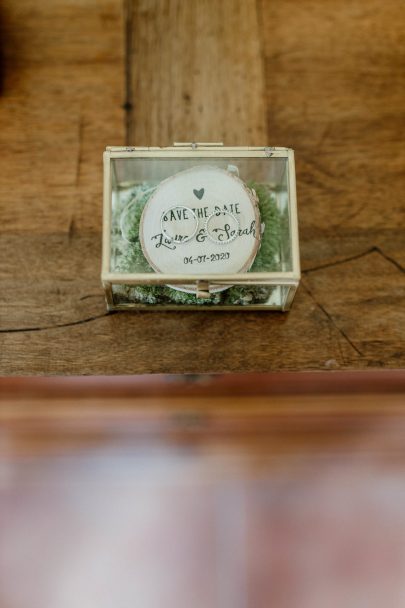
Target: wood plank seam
column 128, row 42
column 326, row 313
column 79, row 322
column 356, row 257
column 331, row 320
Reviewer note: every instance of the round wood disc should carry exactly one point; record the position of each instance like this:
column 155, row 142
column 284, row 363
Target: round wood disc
column 203, row 220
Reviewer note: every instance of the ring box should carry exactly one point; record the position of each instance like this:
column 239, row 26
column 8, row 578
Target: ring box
column 200, row 225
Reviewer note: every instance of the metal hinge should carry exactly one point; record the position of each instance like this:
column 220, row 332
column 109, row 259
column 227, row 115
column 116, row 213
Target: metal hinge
column 196, row 144
column 131, row 148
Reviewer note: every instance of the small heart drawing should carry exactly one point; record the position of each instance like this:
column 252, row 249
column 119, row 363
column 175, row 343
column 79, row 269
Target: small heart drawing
column 199, row 193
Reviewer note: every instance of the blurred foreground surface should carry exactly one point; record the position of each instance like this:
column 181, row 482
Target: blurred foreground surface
column 157, row 495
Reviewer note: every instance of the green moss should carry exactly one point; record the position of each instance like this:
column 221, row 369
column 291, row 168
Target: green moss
column 129, row 257
column 268, row 256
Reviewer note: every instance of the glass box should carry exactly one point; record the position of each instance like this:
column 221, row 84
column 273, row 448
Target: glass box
column 200, row 226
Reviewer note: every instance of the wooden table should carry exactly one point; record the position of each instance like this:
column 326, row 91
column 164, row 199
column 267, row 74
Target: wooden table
column 325, row 78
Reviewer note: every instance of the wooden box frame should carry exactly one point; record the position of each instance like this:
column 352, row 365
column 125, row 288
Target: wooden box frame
column 287, row 280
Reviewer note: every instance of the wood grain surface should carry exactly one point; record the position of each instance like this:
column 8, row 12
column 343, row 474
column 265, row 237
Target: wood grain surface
column 325, row 78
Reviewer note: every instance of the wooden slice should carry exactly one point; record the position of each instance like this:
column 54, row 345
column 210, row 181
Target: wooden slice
column 203, row 220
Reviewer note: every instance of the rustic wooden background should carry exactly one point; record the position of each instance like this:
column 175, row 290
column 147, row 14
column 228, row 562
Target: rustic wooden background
column 322, row 76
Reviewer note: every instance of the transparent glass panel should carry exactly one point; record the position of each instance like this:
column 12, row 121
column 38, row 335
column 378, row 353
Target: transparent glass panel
column 200, row 216
column 245, row 295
